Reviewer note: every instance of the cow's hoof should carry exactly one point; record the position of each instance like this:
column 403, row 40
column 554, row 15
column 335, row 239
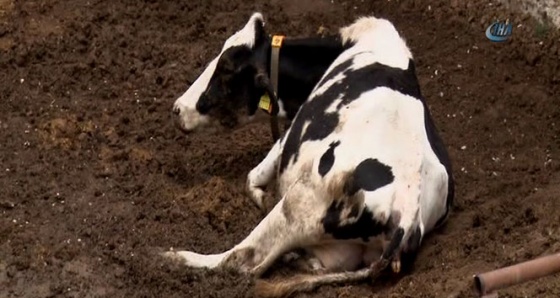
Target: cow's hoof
column 290, row 257
column 195, row 260
column 316, row 266
column 183, row 257
column 172, row 255
column 396, row 266
column 257, row 195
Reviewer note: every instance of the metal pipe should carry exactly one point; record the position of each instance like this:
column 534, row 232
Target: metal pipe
column 488, row 282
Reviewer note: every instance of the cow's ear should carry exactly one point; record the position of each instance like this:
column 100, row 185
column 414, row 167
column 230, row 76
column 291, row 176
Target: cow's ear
column 260, row 33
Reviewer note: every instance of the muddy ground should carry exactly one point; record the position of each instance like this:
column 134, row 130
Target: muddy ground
column 95, row 178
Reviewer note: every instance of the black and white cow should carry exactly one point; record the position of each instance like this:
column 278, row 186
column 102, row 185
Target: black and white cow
column 230, row 84
column 362, row 174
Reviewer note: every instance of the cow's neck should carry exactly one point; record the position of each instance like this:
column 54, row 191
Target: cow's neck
column 302, row 63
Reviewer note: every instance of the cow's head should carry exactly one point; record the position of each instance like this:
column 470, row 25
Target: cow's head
column 232, row 82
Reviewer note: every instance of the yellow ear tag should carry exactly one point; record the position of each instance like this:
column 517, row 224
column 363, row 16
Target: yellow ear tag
column 265, row 103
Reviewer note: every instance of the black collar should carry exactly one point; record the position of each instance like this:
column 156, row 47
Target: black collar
column 269, row 102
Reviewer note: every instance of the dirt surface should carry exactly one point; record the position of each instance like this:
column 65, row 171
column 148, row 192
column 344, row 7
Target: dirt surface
column 95, row 179
column 546, row 11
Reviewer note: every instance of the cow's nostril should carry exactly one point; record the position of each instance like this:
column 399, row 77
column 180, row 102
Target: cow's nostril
column 180, row 127
column 176, row 110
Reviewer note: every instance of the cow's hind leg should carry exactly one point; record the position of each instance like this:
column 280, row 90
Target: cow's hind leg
column 262, row 174
column 344, row 254
column 402, row 247
column 391, row 253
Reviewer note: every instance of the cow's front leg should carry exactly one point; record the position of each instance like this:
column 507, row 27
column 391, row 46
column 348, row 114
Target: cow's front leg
column 293, row 222
column 262, row 174
column 277, row 234
column 270, row 239
column 195, row 260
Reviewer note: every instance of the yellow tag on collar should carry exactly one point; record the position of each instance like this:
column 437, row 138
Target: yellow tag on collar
column 265, row 103
column 277, row 41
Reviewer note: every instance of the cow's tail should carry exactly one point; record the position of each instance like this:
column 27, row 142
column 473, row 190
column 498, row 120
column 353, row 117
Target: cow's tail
column 302, row 283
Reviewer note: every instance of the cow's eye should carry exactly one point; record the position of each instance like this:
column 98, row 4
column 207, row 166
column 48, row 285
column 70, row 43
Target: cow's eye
column 227, row 71
column 226, row 66
column 227, row 77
